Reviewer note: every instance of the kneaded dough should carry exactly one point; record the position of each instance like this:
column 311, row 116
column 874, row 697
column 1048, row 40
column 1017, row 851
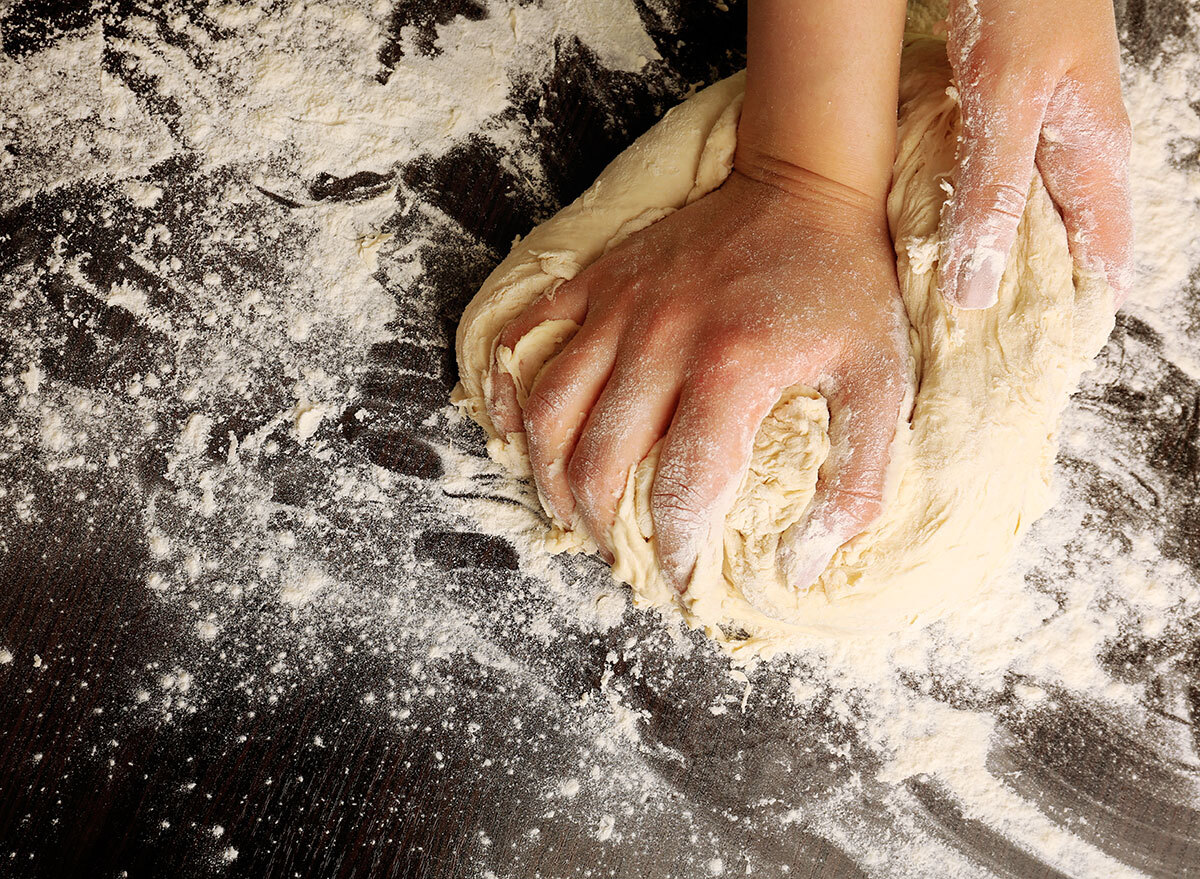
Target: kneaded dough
column 972, row 466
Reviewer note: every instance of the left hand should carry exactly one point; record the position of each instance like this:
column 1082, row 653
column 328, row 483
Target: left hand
column 1039, row 82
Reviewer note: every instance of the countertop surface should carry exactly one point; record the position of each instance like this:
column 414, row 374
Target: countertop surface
column 255, row 645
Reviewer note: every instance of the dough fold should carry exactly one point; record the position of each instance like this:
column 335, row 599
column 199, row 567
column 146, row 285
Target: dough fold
column 971, row 468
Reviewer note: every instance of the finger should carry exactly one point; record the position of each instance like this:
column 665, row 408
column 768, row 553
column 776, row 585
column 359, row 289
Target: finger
column 864, row 413
column 503, row 398
column 558, row 405
column 1084, row 160
column 704, row 455
column 632, row 414
column 1001, row 119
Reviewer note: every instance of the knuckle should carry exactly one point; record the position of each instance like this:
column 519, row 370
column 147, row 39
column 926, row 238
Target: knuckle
column 581, row 474
column 674, row 500
column 861, row 505
column 894, row 356
column 565, row 289
column 1092, row 137
column 661, row 329
column 990, row 80
column 543, row 410
column 888, row 384
column 731, row 346
column 735, row 361
column 1002, row 108
column 589, row 482
column 997, row 199
column 540, row 310
column 880, row 367
column 1006, row 195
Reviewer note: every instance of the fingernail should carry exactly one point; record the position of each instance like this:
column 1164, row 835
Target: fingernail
column 977, row 284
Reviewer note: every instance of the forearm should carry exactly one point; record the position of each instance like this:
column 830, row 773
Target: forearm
column 822, row 79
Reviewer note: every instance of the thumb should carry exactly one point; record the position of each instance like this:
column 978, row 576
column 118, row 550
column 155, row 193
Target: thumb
column 994, row 167
column 863, row 420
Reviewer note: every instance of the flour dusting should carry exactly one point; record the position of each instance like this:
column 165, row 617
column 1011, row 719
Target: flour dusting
column 235, row 241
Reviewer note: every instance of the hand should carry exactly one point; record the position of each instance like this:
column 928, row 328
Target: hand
column 691, row 329
column 1039, row 81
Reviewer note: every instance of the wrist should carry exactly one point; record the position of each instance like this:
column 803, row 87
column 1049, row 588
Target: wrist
column 821, row 89
column 857, row 197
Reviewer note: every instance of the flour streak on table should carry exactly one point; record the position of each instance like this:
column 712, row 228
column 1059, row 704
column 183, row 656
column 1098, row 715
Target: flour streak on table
column 328, row 727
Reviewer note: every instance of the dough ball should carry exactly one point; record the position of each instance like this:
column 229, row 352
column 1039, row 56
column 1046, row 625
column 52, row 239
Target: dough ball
column 971, row 468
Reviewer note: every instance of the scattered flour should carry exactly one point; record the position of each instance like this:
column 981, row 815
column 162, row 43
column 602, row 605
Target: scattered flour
column 259, row 310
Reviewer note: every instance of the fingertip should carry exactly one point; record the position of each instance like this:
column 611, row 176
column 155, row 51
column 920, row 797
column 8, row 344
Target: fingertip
column 1115, row 265
column 1087, row 176
column 806, row 555
column 500, row 401
column 972, row 259
column 687, row 507
column 975, row 286
column 678, row 563
column 678, row 529
column 850, row 493
column 1121, row 281
column 556, row 499
column 677, row 574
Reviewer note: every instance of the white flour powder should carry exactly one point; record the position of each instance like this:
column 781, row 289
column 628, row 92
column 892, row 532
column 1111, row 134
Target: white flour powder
column 290, row 555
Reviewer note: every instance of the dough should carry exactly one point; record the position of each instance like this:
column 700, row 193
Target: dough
column 972, row 467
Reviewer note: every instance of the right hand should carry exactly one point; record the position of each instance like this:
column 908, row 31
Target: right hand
column 1039, row 82
column 690, row 330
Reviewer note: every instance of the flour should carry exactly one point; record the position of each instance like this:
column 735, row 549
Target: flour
column 252, row 276
column 1166, row 185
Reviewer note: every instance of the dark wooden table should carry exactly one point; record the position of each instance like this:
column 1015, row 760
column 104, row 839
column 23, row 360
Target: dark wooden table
column 314, row 779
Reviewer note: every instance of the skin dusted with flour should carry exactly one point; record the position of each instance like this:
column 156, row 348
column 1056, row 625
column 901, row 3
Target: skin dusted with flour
column 970, row 470
column 1035, row 93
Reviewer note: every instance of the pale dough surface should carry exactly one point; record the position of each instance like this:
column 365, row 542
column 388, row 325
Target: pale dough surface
column 971, row 468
